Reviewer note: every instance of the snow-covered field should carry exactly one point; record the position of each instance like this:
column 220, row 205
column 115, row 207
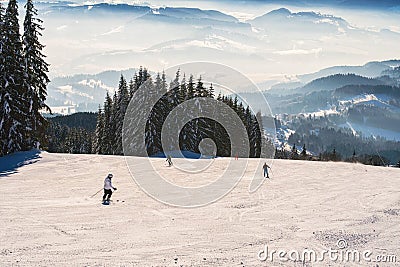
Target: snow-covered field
column 48, row 217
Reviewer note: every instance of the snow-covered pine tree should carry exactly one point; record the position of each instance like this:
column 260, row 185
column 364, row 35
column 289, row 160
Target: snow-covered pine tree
column 15, row 107
column 99, row 134
column 137, row 80
column 254, row 135
column 158, row 82
column 173, row 92
column 191, row 88
column 188, row 132
column 203, row 126
column 142, row 76
column 294, row 154
column 36, row 69
column 241, row 112
column 247, row 119
column 303, row 153
column 160, row 111
column 107, row 134
column 131, row 88
column 183, row 96
column 211, row 91
column 122, row 102
column 2, row 90
column 175, row 82
column 201, row 91
column 164, row 85
column 182, row 90
column 171, row 101
column 155, row 119
column 235, row 104
column 113, row 124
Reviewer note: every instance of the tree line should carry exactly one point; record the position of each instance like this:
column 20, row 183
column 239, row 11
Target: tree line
column 23, row 80
column 72, row 134
column 328, row 142
column 108, row 134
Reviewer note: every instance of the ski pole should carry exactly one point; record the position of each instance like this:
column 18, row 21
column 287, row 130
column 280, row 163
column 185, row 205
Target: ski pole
column 97, row 192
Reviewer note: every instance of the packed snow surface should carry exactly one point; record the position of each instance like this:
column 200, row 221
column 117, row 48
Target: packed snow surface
column 48, row 217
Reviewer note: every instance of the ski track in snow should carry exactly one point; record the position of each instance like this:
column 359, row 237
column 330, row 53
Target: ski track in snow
column 49, row 218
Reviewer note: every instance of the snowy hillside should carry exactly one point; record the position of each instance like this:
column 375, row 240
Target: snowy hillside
column 49, row 217
column 83, row 92
column 94, row 37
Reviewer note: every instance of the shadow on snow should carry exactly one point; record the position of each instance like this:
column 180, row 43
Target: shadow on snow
column 9, row 164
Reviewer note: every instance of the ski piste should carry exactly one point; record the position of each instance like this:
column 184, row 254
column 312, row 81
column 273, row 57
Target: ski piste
column 111, row 202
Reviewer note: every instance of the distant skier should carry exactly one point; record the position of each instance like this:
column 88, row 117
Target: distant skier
column 265, row 168
column 169, row 160
column 108, row 187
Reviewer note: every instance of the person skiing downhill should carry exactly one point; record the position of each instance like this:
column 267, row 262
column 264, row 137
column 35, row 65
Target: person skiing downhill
column 108, row 187
column 169, row 159
column 265, row 168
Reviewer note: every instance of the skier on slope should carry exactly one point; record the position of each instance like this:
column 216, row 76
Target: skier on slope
column 265, row 168
column 169, row 159
column 108, row 187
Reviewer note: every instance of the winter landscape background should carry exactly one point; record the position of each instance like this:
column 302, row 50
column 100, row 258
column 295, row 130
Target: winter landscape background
column 327, row 106
column 292, row 50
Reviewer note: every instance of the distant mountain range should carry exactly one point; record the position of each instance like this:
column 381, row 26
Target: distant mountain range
column 365, row 104
column 359, row 4
column 83, row 92
column 98, row 37
column 369, row 70
column 86, row 91
column 91, row 38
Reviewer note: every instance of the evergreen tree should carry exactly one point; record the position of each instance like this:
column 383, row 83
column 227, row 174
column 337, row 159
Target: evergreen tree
column 163, row 82
column 15, row 106
column 36, row 70
column 211, row 92
column 158, row 82
column 132, row 88
column 113, row 125
column 294, row 154
column 258, row 142
column 156, row 118
column 353, row 157
column 333, row 155
column 160, row 111
column 121, row 106
column 190, row 88
column 200, row 90
column 188, row 133
column 2, row 90
column 182, row 90
column 107, row 140
column 175, row 83
column 304, row 151
column 192, row 133
column 200, row 124
column 99, row 133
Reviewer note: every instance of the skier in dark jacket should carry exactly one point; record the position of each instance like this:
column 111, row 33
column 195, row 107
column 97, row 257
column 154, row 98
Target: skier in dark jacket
column 169, row 159
column 265, row 168
column 108, row 187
